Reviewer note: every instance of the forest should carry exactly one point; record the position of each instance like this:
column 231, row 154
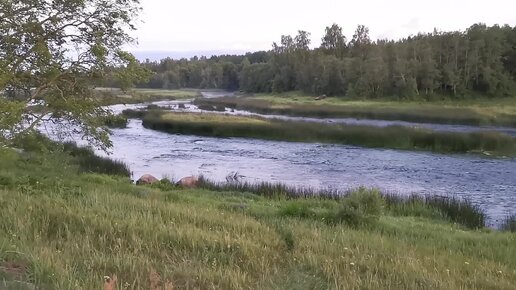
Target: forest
column 477, row 62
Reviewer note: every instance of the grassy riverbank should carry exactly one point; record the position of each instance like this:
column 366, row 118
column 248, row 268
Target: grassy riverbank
column 498, row 112
column 64, row 225
column 395, row 137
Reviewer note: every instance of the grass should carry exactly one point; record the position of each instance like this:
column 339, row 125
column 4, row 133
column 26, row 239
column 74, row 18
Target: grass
column 88, row 162
column 509, row 224
column 111, row 96
column 499, row 112
column 428, row 206
column 71, row 229
column 395, row 137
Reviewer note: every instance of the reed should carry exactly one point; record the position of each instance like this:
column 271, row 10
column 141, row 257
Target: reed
column 394, row 137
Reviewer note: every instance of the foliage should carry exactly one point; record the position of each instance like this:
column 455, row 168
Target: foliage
column 115, row 121
column 52, row 53
column 458, row 65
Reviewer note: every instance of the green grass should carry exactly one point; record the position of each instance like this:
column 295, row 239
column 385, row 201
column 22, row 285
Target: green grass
column 395, row 137
column 67, row 230
column 428, row 206
column 499, row 112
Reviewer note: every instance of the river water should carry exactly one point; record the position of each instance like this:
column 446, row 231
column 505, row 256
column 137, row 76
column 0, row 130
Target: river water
column 487, row 182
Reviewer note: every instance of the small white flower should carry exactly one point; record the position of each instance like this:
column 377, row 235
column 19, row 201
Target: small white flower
column 467, row 263
column 352, row 264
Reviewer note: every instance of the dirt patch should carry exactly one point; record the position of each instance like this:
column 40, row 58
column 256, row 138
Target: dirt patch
column 14, row 270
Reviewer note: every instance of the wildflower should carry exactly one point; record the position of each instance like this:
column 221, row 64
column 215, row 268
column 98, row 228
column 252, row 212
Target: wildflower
column 352, row 264
column 467, row 263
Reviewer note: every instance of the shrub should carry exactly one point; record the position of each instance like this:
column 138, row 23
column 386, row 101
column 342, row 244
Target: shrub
column 115, row 121
column 360, row 208
column 33, row 142
column 6, row 181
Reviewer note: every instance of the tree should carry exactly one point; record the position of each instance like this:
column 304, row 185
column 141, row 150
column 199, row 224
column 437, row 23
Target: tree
column 302, row 40
column 54, row 52
column 334, row 41
column 361, row 42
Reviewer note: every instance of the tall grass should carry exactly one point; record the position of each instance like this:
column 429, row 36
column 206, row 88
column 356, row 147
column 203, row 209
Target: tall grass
column 509, row 224
column 460, row 211
column 73, row 229
column 89, row 162
column 268, row 189
column 395, row 137
column 413, row 113
column 453, row 209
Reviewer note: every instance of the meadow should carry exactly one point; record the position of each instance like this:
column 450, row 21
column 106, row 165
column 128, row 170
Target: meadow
column 482, row 112
column 395, row 137
column 66, row 223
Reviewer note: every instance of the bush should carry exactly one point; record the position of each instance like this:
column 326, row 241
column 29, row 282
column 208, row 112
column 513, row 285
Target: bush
column 116, row 121
column 33, row 142
column 360, row 208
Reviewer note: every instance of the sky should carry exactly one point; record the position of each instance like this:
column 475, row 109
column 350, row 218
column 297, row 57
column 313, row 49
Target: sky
column 185, row 28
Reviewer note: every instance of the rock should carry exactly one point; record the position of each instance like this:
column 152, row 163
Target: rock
column 321, row 97
column 190, row 181
column 146, row 179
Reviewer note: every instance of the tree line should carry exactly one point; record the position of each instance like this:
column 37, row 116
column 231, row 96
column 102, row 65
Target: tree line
column 480, row 61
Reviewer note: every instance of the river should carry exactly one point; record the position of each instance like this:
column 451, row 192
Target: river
column 487, row 182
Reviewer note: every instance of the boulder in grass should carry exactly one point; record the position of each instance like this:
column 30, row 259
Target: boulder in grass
column 321, row 97
column 189, row 182
column 146, row 179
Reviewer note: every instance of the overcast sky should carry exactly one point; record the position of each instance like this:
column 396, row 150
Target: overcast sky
column 239, row 25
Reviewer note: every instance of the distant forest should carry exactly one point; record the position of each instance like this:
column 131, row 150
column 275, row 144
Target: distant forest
column 480, row 61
